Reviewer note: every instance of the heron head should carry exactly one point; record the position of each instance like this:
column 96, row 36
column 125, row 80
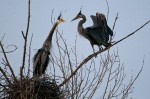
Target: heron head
column 60, row 19
column 79, row 15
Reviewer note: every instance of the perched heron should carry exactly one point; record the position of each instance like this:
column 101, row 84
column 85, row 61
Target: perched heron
column 41, row 58
column 99, row 33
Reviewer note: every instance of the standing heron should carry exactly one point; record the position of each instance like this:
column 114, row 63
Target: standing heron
column 98, row 34
column 41, row 58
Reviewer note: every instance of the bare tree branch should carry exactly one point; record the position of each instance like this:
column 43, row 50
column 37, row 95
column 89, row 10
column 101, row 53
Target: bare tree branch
column 115, row 22
column 93, row 55
column 8, row 64
column 25, row 41
column 125, row 94
column 29, row 59
column 10, row 51
column 107, row 9
column 4, row 74
column 25, row 47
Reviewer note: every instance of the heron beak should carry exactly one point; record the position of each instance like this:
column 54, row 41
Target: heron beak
column 62, row 20
column 74, row 18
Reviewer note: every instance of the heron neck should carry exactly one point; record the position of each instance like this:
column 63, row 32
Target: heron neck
column 81, row 30
column 82, row 21
column 47, row 43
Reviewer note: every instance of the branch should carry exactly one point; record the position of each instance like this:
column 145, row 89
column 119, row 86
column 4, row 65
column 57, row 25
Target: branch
column 15, row 48
column 25, row 42
column 95, row 54
column 125, row 36
column 23, row 35
column 4, row 74
column 8, row 64
column 107, row 9
column 52, row 17
column 28, row 74
column 112, row 37
column 2, row 38
column 25, row 48
column 132, row 82
column 115, row 22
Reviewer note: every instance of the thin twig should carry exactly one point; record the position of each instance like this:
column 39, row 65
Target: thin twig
column 115, row 22
column 28, row 74
column 112, row 37
column 4, row 74
column 131, row 84
column 15, row 48
column 23, row 34
column 2, row 37
column 52, row 17
column 8, row 64
column 107, row 9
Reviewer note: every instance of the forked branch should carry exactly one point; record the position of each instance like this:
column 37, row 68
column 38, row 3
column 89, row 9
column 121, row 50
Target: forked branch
column 25, row 36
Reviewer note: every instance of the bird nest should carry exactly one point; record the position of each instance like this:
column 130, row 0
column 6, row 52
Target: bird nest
column 44, row 88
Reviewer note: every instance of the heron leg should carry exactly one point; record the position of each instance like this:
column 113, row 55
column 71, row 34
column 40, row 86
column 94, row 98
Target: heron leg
column 100, row 48
column 110, row 39
column 106, row 44
column 93, row 50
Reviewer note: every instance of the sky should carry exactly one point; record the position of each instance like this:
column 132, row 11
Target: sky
column 132, row 14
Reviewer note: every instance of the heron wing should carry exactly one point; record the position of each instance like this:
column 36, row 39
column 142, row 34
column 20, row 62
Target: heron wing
column 96, row 22
column 102, row 19
column 94, row 35
column 37, row 62
column 109, row 31
column 40, row 61
column 100, row 24
column 45, row 61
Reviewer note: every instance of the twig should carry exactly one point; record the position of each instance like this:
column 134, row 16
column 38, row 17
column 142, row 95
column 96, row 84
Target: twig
column 8, row 64
column 4, row 74
column 52, row 17
column 132, row 82
column 115, row 22
column 111, row 38
column 28, row 74
column 107, row 9
column 10, row 50
column 93, row 55
column 2, row 37
column 23, row 34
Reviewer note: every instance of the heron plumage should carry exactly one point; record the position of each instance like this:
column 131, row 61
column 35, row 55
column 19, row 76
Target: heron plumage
column 99, row 33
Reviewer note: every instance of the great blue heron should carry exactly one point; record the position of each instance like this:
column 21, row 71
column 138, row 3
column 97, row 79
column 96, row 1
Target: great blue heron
column 41, row 58
column 98, row 34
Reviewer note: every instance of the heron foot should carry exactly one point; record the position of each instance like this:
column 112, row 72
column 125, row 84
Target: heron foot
column 95, row 54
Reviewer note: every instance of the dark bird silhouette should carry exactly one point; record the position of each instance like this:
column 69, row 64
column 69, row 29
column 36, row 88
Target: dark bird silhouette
column 41, row 58
column 99, row 33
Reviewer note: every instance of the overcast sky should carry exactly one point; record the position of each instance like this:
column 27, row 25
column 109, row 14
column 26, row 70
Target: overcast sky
column 132, row 14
